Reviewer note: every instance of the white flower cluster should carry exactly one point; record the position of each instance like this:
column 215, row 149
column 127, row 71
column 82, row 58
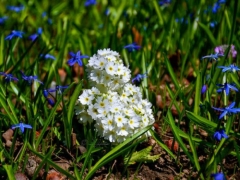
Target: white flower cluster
column 117, row 108
column 106, row 70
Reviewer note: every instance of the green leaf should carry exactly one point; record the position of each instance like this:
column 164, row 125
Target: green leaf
column 141, row 156
column 161, row 143
column 209, row 33
column 205, row 123
column 178, row 138
column 51, row 163
column 115, row 152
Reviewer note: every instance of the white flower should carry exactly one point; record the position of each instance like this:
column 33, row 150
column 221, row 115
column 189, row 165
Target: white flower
column 133, row 122
column 101, row 103
column 126, row 76
column 129, row 112
column 111, row 68
column 130, row 89
column 120, row 120
column 96, row 75
column 94, row 91
column 101, row 63
column 145, row 120
column 92, row 111
column 106, row 78
column 111, row 135
column 104, row 52
column 113, row 103
column 116, row 108
column 120, row 69
column 124, row 97
column 102, row 112
column 111, row 58
column 92, row 60
column 123, row 131
column 108, row 122
column 85, row 98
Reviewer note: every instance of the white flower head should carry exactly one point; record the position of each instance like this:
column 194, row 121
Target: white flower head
column 113, row 103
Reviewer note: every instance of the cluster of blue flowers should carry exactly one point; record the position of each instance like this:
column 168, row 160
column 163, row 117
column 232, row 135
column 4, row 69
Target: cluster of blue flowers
column 75, row 58
column 223, row 88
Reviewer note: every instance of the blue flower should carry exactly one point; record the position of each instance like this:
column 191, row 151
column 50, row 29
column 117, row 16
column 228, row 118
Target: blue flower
column 50, row 101
column 213, row 24
column 90, row 2
column 215, row 7
column 30, row 79
column 218, row 176
column 132, row 47
column 58, row 89
column 226, row 87
column 15, row 8
column 231, row 68
column 163, row 2
column 212, row 56
column 13, row 34
column 204, row 89
column 3, row 19
column 21, row 126
column 227, row 110
column 8, row 77
column 34, row 36
column 48, row 56
column 76, row 58
column 45, row 93
column 138, row 78
column 218, row 135
column 44, row 14
column 107, row 11
column 181, row 20
column 221, row 1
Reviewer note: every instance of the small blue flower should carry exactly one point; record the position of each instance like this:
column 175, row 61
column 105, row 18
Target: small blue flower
column 221, row 1
column 213, row 24
column 30, row 79
column 15, row 8
column 58, row 89
column 132, row 47
column 226, row 87
column 44, row 14
column 76, row 58
column 212, row 56
column 231, row 68
column 218, row 135
column 163, row 2
column 138, row 78
column 227, row 110
column 22, row 126
column 181, row 20
column 215, row 7
column 107, row 12
column 8, row 77
column 13, row 34
column 90, row 2
column 45, row 93
column 34, row 36
column 218, row 176
column 48, row 56
column 3, row 19
column 204, row 89
column 50, row 101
